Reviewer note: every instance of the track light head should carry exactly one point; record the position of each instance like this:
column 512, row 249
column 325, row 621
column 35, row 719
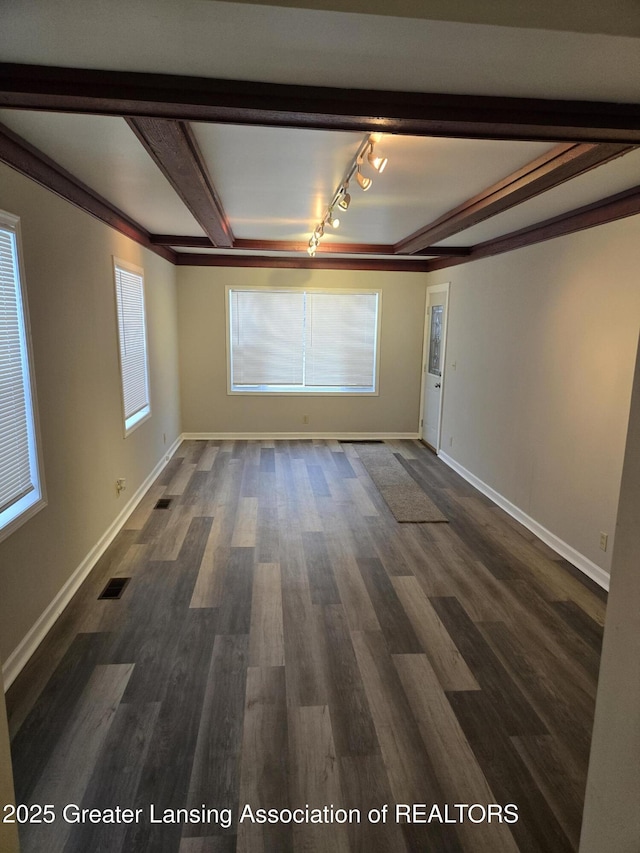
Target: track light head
column 345, row 200
column 378, row 163
column 363, row 182
column 333, row 221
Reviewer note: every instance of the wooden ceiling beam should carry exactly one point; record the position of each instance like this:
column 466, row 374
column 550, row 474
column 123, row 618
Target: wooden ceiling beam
column 323, row 262
column 610, row 209
column 241, row 244
column 244, row 102
column 181, row 241
column 327, row 247
column 174, row 149
column 343, row 248
column 562, row 163
column 33, row 163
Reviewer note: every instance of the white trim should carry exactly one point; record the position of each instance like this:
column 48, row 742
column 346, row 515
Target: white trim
column 584, row 564
column 134, row 420
column 434, row 288
column 311, row 391
column 37, row 500
column 284, row 436
column 21, row 654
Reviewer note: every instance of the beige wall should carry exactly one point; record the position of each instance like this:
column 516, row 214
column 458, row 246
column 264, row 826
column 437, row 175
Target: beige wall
column 611, row 815
column 544, row 344
column 206, row 407
column 69, row 278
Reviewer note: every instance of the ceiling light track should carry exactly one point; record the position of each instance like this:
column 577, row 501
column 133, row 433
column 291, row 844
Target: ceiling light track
column 341, row 198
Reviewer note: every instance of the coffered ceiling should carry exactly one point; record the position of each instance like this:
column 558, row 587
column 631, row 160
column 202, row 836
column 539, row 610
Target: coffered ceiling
column 238, row 164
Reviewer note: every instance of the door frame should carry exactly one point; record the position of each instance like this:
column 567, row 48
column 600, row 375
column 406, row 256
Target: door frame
column 434, row 288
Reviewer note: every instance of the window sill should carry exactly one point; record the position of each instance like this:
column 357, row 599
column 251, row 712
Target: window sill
column 132, row 423
column 14, row 517
column 282, row 391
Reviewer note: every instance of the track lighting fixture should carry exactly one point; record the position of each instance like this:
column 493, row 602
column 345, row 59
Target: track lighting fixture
column 341, row 197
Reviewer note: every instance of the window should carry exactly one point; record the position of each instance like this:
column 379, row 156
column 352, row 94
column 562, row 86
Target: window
column 21, row 493
column 435, row 340
column 132, row 334
column 303, row 341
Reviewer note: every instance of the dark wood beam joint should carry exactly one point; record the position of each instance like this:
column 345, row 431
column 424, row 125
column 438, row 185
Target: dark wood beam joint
column 607, row 210
column 232, row 259
column 240, row 244
column 181, row 241
column 550, row 170
column 173, row 147
column 34, row 164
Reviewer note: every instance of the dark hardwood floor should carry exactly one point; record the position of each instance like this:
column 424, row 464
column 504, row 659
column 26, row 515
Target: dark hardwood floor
column 284, row 642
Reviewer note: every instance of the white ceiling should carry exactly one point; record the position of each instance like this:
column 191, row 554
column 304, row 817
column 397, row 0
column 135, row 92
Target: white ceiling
column 275, row 183
column 106, row 155
column 248, row 42
column 618, row 17
column 606, row 180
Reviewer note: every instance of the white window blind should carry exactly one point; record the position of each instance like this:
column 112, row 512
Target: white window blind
column 133, row 344
column 340, row 339
column 303, row 341
column 19, row 477
column 267, row 337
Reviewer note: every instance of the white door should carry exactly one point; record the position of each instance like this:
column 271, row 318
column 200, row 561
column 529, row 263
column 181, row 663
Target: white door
column 435, row 341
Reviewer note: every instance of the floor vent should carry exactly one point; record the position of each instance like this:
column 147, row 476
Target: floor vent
column 114, row 588
column 163, row 503
column 360, row 441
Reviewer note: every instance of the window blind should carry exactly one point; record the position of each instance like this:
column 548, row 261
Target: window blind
column 303, row 340
column 267, row 337
column 341, row 334
column 18, row 475
column 133, row 344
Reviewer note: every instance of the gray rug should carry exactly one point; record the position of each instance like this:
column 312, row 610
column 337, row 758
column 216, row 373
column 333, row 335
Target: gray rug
column 403, row 495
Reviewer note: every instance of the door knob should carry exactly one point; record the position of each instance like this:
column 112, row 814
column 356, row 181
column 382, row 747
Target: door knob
column 437, row 385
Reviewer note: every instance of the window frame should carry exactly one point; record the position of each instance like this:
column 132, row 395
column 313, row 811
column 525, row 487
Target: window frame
column 312, row 392
column 20, row 511
column 131, row 423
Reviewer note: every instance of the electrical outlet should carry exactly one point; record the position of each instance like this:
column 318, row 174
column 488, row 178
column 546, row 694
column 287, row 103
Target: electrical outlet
column 121, row 485
column 305, row 419
column 604, row 539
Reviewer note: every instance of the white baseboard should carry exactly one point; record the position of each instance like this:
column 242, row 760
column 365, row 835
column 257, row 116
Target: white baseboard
column 291, row 436
column 584, row 564
column 20, row 655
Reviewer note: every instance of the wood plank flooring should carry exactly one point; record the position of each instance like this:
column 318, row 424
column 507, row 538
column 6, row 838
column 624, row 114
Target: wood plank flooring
column 284, row 643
